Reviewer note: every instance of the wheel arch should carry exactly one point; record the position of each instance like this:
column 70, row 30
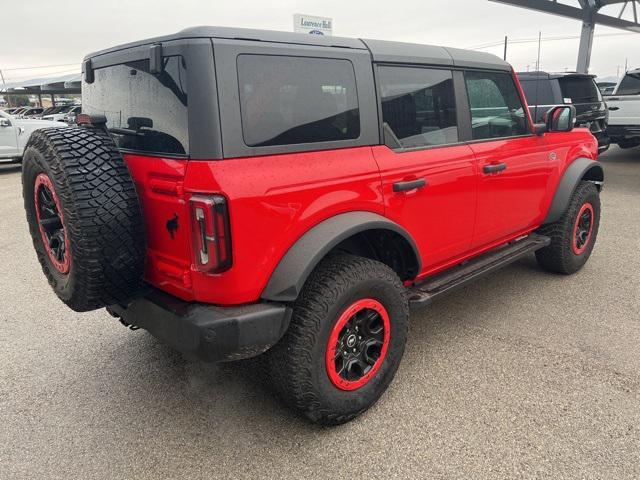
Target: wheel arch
column 361, row 233
column 580, row 169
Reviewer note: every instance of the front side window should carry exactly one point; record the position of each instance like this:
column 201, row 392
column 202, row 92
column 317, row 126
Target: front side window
column 630, row 84
column 496, row 108
column 418, row 106
column 292, row 100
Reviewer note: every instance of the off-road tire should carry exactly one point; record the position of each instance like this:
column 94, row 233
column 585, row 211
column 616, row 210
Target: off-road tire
column 559, row 256
column 100, row 214
column 297, row 365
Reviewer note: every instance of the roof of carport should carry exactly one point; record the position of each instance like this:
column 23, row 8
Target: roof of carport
column 52, row 85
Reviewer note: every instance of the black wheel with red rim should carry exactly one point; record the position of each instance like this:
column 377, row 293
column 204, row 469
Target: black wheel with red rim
column 573, row 236
column 53, row 232
column 583, row 228
column 345, row 340
column 358, row 344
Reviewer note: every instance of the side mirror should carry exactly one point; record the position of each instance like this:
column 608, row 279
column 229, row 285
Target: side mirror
column 561, row 118
column 5, row 122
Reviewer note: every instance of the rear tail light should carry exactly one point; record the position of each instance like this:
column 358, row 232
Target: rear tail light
column 211, row 235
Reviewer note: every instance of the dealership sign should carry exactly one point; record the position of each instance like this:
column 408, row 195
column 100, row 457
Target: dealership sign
column 313, row 25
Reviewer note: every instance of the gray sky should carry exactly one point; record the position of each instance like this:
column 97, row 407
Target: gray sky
column 51, row 32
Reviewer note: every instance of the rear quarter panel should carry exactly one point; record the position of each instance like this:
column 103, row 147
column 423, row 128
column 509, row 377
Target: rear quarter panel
column 273, row 200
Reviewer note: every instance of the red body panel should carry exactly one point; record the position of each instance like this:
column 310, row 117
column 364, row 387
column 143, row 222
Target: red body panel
column 512, row 200
column 441, row 215
column 273, row 200
column 160, row 185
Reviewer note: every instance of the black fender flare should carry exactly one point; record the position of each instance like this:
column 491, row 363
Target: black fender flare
column 296, row 265
column 579, row 169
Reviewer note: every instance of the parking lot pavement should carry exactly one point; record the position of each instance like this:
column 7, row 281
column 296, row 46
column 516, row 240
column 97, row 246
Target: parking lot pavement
column 521, row 375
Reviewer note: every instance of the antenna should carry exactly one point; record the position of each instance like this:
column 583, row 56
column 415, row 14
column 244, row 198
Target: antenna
column 535, row 114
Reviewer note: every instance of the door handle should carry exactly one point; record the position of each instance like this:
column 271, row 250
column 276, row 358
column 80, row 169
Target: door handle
column 494, row 167
column 613, row 109
column 409, row 185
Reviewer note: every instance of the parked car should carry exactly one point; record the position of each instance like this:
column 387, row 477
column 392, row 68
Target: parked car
column 15, row 133
column 356, row 179
column 60, row 113
column 70, row 116
column 31, row 112
column 16, row 113
column 624, row 108
column 544, row 90
column 10, row 111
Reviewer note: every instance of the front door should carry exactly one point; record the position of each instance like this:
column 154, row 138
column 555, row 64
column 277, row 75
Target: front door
column 8, row 138
column 514, row 165
column 428, row 177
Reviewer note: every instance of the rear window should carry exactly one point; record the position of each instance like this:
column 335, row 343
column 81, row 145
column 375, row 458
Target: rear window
column 579, row 90
column 293, row 100
column 145, row 112
column 538, row 92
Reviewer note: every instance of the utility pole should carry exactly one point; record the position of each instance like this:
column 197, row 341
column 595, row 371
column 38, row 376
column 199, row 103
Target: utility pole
column 539, row 46
column 2, row 76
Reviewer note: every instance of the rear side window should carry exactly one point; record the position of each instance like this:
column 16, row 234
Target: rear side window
column 579, row 89
column 496, row 108
column 145, row 112
column 538, row 92
column 292, row 100
column 630, row 85
column 418, row 105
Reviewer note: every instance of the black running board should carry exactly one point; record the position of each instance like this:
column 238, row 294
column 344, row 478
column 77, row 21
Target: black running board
column 425, row 292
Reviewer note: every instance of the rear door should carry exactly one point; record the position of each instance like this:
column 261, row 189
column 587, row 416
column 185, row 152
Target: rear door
column 428, row 175
column 514, row 167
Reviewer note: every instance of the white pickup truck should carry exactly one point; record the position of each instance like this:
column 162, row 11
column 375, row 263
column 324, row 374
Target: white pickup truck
column 624, row 111
column 15, row 133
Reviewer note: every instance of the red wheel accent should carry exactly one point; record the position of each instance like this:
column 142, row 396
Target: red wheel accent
column 582, row 229
column 358, row 344
column 51, row 223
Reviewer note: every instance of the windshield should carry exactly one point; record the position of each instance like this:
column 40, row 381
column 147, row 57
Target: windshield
column 630, row 84
column 579, row 89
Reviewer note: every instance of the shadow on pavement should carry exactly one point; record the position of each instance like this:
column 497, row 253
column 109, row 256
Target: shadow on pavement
column 9, row 168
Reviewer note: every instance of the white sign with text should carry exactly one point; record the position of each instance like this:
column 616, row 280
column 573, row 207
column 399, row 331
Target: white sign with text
column 313, row 25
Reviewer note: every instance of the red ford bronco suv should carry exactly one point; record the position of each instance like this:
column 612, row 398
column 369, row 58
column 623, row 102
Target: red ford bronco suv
column 240, row 193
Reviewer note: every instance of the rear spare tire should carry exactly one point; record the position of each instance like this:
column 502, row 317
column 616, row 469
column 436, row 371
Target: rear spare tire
column 84, row 216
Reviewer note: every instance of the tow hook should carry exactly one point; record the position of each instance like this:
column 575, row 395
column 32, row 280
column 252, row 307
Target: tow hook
column 115, row 315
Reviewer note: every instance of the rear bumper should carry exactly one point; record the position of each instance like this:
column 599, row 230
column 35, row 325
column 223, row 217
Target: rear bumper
column 207, row 332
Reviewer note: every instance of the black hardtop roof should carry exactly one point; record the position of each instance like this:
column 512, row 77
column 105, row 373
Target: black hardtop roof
column 552, row 75
column 381, row 50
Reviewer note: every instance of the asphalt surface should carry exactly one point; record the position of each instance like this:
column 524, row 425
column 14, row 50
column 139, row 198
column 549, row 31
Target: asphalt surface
column 521, row 375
